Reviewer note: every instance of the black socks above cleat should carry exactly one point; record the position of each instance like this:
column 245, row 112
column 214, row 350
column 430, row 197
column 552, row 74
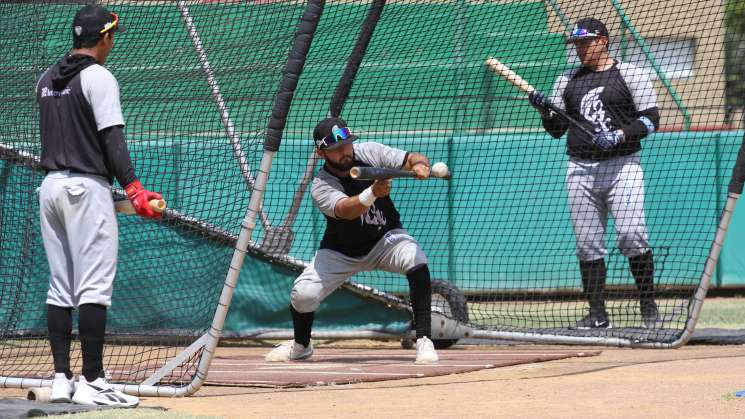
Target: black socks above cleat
column 302, row 324
column 59, row 325
column 593, row 284
column 420, row 291
column 92, row 328
column 642, row 268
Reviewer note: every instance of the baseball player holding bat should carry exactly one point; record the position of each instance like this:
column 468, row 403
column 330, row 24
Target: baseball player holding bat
column 82, row 150
column 363, row 233
column 617, row 102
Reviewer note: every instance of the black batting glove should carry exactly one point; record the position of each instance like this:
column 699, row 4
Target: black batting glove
column 540, row 102
column 608, row 139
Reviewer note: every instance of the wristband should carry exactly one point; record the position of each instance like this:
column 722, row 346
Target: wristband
column 647, row 123
column 367, row 197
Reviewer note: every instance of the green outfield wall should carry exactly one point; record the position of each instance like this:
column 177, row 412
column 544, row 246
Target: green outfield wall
column 501, row 224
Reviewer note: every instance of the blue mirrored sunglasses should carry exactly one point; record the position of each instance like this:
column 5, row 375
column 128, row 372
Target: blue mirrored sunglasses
column 340, row 134
column 337, row 135
column 579, row 32
column 582, row 33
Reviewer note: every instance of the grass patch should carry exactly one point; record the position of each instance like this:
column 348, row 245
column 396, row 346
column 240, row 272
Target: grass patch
column 723, row 313
column 720, row 313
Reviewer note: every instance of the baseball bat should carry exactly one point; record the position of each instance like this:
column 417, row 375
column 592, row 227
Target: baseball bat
column 514, row 78
column 125, row 206
column 376, row 173
column 39, row 394
column 509, row 75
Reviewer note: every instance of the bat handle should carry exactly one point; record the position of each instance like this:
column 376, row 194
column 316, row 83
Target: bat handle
column 563, row 114
column 125, row 206
column 157, row 205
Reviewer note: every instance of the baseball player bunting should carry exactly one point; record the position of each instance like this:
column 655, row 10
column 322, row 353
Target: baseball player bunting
column 363, row 232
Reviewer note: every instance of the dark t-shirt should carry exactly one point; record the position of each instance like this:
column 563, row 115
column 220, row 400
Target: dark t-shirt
column 356, row 238
column 73, row 108
column 603, row 101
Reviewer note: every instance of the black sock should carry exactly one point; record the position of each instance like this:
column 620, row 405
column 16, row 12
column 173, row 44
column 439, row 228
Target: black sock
column 302, row 323
column 420, row 293
column 59, row 325
column 92, row 328
column 642, row 268
column 593, row 284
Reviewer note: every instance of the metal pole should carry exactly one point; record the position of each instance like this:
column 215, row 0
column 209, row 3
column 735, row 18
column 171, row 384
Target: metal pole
column 222, row 107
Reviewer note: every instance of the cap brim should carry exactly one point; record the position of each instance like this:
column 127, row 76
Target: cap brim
column 349, row 140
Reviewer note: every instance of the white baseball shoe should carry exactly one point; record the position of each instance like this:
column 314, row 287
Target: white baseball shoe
column 62, row 388
column 100, row 393
column 425, row 351
column 290, row 351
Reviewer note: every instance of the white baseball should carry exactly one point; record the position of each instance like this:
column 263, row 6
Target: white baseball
column 440, row 169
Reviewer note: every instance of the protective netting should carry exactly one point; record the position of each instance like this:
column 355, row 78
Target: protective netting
column 170, row 272
column 500, row 231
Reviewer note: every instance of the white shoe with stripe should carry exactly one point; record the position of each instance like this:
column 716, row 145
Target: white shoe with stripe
column 289, row 351
column 100, row 393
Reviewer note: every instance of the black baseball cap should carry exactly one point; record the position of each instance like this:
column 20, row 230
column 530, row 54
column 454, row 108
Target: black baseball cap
column 93, row 21
column 587, row 28
column 331, row 133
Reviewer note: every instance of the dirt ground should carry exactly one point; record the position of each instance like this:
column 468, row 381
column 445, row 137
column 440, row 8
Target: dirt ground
column 692, row 382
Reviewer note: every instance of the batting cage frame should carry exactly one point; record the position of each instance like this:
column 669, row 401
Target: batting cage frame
column 404, row 87
column 204, row 347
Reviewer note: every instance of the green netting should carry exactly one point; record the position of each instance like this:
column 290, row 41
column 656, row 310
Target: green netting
column 499, row 231
column 170, row 273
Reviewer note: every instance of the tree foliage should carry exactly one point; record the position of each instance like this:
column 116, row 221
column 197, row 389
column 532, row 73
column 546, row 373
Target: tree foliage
column 734, row 12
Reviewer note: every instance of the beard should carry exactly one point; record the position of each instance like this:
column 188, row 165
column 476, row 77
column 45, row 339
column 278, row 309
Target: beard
column 342, row 166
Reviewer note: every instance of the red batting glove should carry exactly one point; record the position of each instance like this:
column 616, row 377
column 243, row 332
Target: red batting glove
column 140, row 198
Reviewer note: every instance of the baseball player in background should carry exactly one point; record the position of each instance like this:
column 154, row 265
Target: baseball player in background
column 617, row 102
column 82, row 150
column 363, row 233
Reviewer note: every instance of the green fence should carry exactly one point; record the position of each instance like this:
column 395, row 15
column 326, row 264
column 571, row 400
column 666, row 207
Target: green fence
column 698, row 184
column 453, row 93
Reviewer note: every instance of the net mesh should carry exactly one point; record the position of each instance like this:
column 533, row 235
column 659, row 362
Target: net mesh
column 498, row 235
column 500, row 231
column 170, row 273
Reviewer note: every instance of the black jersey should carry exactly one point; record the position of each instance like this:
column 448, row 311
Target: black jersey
column 356, row 238
column 603, row 101
column 77, row 99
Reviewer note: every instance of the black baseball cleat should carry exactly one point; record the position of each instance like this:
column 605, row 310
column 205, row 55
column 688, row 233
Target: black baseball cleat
column 650, row 315
column 594, row 321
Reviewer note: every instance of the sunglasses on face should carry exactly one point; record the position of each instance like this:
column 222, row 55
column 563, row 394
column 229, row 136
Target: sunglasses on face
column 340, row 134
column 337, row 135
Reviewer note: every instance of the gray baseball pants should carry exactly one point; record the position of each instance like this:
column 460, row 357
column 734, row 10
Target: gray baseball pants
column 599, row 188
column 396, row 252
column 81, row 238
